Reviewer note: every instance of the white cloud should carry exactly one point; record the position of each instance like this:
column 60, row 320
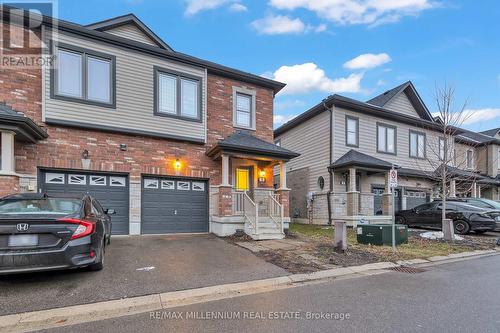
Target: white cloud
column 320, row 28
column 308, row 77
column 195, row 6
column 368, row 60
column 274, row 25
column 238, row 7
column 359, row 11
column 281, row 119
column 288, row 104
column 472, row 116
column 380, row 82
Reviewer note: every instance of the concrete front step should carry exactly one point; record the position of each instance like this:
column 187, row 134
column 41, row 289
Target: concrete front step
column 265, row 236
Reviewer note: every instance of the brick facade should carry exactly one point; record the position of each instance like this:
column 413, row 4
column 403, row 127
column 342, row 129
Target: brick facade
column 22, row 90
column 8, row 185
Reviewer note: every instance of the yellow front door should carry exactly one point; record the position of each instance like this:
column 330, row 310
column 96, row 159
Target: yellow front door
column 242, row 179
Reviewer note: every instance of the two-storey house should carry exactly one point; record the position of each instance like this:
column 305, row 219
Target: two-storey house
column 173, row 143
column 347, row 148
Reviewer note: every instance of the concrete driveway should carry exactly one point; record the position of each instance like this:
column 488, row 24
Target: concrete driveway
column 180, row 262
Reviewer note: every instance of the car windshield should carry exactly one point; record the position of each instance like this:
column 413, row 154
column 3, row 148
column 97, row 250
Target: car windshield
column 58, row 206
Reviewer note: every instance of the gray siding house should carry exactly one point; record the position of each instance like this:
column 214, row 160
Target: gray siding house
column 347, row 148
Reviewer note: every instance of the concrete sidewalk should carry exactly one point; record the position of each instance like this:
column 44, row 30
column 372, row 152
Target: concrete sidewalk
column 104, row 310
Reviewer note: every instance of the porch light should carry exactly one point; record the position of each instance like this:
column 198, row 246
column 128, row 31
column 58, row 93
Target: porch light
column 177, row 165
column 262, row 176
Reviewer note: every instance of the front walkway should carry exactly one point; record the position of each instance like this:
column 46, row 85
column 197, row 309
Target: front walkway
column 138, row 265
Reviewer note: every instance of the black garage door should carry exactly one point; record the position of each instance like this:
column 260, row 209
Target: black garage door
column 415, row 198
column 377, row 199
column 111, row 191
column 174, row 205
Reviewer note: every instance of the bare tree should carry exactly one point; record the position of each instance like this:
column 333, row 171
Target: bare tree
column 450, row 159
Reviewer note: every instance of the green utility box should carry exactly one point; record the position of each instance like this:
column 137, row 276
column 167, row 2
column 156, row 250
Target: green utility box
column 381, row 234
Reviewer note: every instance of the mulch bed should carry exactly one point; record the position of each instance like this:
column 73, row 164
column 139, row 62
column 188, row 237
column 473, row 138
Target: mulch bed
column 291, row 263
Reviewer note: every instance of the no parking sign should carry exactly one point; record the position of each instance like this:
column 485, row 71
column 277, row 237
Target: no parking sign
column 393, row 178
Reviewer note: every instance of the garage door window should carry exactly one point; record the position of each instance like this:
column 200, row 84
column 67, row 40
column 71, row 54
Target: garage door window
column 184, row 186
column 167, row 184
column 98, row 180
column 77, row 180
column 150, row 183
column 54, row 178
column 198, row 186
column 117, row 181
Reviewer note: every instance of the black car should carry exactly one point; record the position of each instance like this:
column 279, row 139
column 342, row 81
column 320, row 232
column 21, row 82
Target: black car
column 465, row 217
column 481, row 203
column 40, row 232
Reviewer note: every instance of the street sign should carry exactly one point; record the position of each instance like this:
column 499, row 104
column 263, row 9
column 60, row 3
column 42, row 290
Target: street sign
column 393, row 178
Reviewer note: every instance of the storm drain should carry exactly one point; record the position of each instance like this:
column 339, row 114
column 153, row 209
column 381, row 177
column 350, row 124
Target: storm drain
column 407, row 269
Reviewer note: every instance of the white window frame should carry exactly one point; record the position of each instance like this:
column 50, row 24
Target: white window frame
column 200, row 185
column 149, row 181
column 113, row 179
column 180, row 185
column 469, row 161
column 253, row 97
column 165, row 184
column 442, row 144
column 50, row 175
column 82, row 182
column 355, row 131
column 93, row 182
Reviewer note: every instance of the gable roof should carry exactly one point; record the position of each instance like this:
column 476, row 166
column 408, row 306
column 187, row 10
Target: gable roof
column 25, row 128
column 491, row 132
column 119, row 21
column 356, row 158
column 243, row 142
column 407, row 88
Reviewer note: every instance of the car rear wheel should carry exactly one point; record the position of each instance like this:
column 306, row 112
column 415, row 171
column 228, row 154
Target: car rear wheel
column 461, row 227
column 99, row 265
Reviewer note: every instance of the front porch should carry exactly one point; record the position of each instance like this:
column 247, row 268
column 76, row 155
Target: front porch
column 246, row 199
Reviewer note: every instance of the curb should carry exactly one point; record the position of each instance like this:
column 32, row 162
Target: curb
column 58, row 317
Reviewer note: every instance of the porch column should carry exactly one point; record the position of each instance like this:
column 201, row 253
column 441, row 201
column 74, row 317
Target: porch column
column 8, row 161
column 479, row 191
column 453, row 188
column 225, row 170
column 283, row 192
column 474, row 190
column 225, row 190
column 352, row 194
column 387, row 196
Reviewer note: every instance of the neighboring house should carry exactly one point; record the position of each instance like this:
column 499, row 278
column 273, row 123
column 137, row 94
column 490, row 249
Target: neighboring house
column 173, row 143
column 347, row 148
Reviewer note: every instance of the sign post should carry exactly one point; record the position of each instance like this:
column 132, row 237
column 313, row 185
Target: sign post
column 393, row 183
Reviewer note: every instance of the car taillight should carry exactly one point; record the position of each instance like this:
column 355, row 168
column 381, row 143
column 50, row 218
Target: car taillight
column 84, row 228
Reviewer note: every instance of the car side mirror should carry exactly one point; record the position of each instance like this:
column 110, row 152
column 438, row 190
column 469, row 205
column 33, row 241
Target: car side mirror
column 110, row 211
column 415, row 210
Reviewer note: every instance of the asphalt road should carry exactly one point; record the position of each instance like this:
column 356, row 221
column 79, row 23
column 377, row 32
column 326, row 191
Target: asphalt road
column 180, row 262
column 456, row 297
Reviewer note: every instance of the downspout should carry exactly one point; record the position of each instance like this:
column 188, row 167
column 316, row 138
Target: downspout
column 330, row 173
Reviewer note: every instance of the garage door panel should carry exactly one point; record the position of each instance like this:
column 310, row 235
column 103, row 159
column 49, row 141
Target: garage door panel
column 174, row 205
column 112, row 197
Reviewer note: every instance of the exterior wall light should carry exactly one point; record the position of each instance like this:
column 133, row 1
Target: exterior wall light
column 177, row 166
column 262, row 176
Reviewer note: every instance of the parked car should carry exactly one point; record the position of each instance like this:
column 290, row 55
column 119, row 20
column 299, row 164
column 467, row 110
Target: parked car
column 481, row 203
column 465, row 217
column 39, row 232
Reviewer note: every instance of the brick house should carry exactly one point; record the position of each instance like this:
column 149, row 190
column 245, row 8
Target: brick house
column 173, row 143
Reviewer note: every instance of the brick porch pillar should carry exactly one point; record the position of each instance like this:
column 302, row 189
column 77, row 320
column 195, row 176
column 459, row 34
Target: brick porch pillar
column 9, row 185
column 225, row 201
column 284, row 200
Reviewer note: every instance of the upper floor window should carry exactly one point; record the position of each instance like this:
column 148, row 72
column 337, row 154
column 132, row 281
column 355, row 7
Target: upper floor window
column 352, row 131
column 417, row 144
column 442, row 143
column 243, row 108
column 177, row 95
column 386, row 139
column 84, row 76
column 470, row 159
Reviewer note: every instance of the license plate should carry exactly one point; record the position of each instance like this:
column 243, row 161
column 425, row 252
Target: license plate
column 23, row 240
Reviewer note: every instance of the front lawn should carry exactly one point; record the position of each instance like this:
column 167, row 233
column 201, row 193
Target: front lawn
column 417, row 247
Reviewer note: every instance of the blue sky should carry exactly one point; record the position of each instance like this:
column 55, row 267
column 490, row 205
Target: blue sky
column 357, row 48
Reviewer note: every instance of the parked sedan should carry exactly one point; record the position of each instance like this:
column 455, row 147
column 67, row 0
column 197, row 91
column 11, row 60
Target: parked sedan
column 465, row 217
column 481, row 203
column 40, row 232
